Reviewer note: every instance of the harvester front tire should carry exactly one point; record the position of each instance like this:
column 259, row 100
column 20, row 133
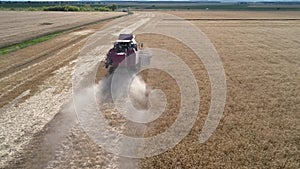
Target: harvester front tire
column 111, row 70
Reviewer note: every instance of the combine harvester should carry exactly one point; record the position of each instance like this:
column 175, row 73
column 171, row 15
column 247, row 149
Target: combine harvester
column 124, row 60
column 125, row 54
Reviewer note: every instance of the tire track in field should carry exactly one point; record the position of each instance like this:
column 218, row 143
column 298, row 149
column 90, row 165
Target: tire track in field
column 23, row 80
column 40, row 57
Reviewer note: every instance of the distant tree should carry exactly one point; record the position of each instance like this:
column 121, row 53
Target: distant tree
column 86, row 7
column 113, row 7
column 105, row 9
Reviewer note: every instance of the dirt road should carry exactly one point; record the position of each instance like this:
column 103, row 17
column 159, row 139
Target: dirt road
column 259, row 128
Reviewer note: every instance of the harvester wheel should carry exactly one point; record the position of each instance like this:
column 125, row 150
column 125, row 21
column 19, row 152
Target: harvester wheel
column 111, row 70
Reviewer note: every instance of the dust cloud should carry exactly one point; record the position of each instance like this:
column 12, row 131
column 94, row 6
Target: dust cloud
column 131, row 89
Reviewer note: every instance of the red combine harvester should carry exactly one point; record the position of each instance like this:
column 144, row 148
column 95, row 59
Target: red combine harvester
column 123, row 54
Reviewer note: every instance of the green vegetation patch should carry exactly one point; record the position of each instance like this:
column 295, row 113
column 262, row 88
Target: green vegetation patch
column 61, row 8
column 80, row 8
column 27, row 43
column 57, row 7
